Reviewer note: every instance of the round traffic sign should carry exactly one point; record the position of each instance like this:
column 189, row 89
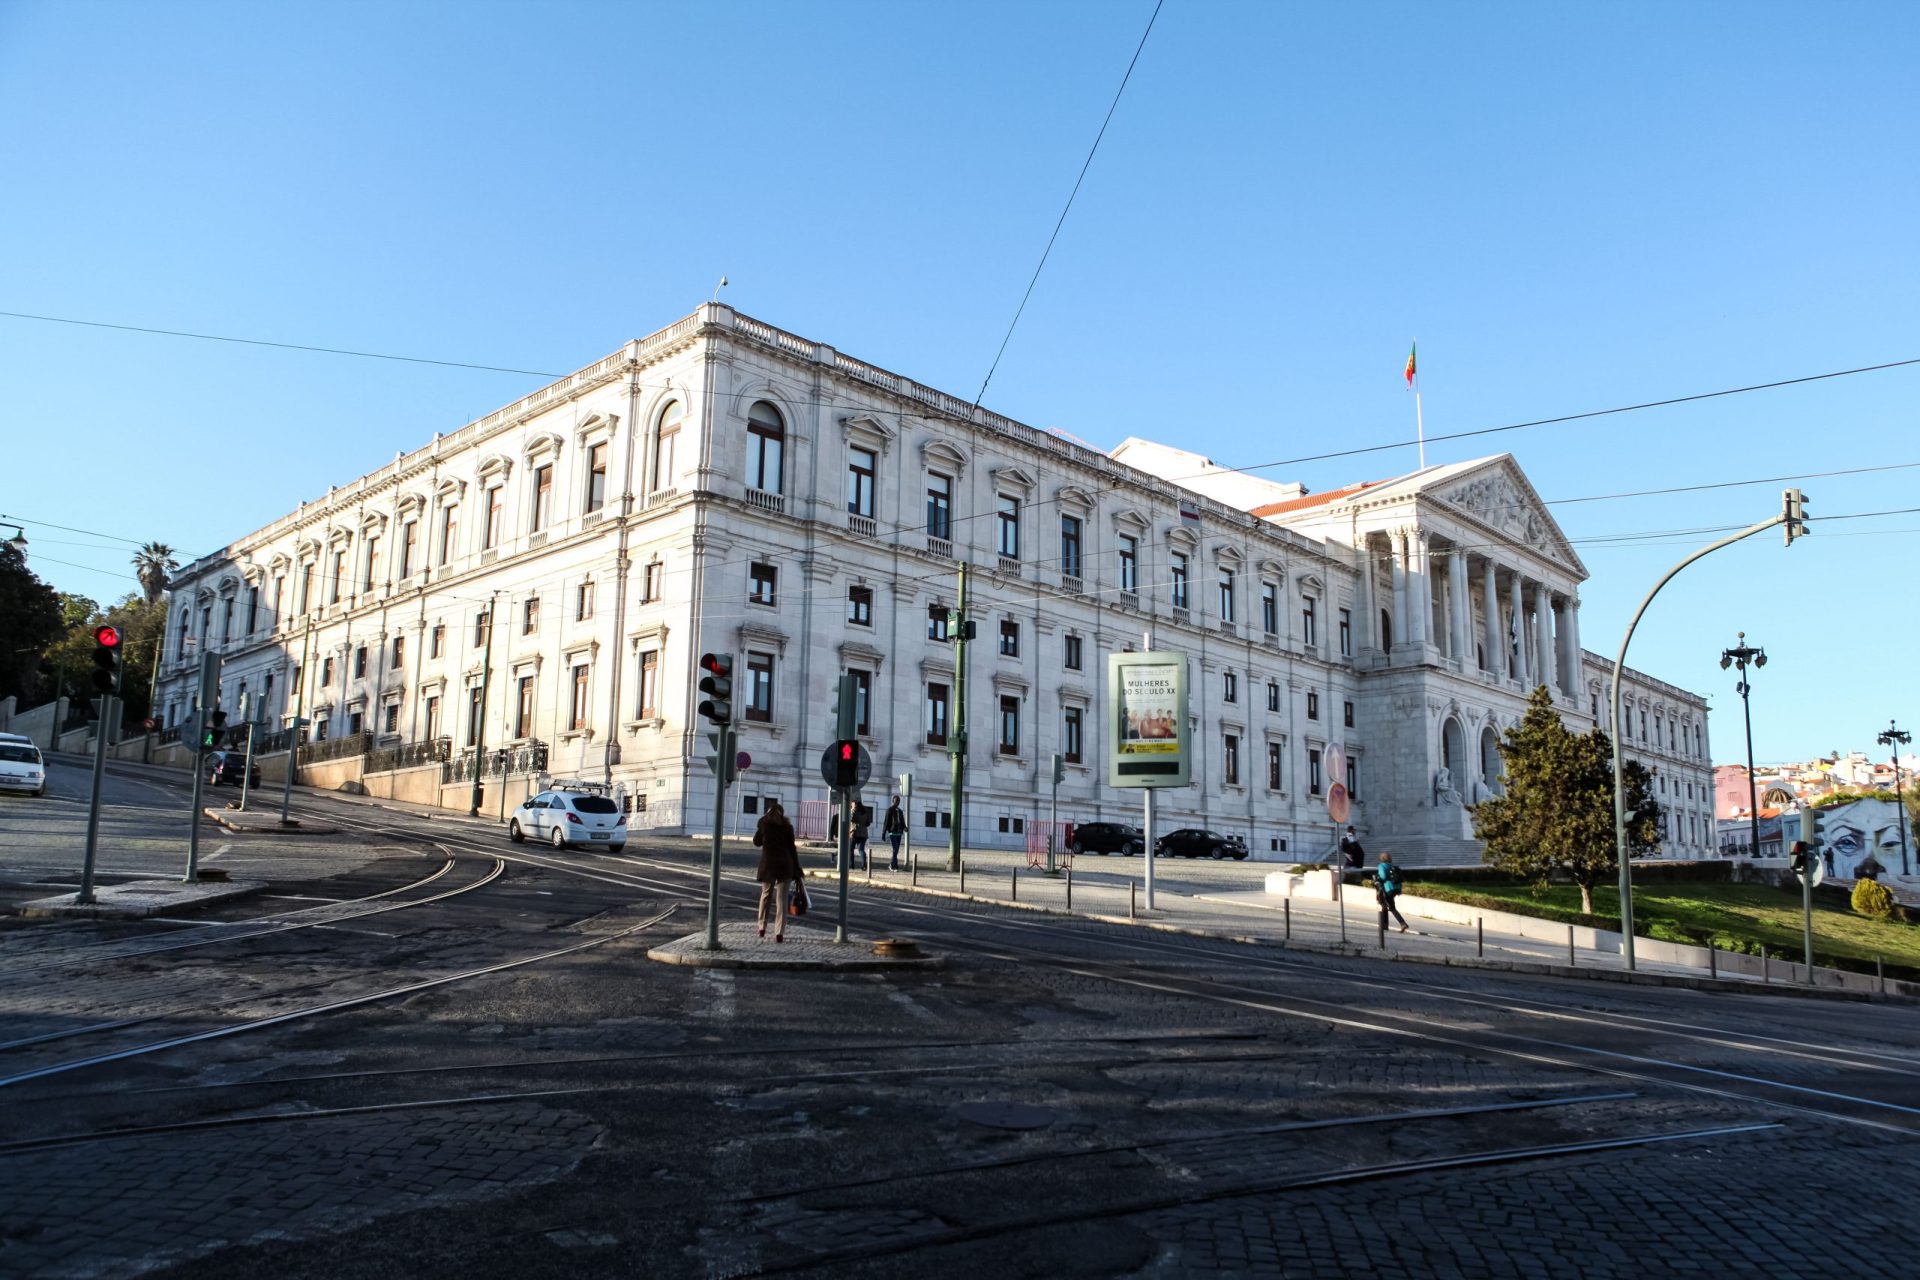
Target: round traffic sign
column 829, row 766
column 1339, row 804
column 741, row 761
column 1336, row 762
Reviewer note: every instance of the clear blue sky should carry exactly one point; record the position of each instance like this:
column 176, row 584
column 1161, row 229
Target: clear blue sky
column 1573, row 207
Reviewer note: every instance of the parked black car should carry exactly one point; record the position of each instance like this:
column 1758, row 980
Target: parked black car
column 1107, row 837
column 224, row 767
column 1198, row 842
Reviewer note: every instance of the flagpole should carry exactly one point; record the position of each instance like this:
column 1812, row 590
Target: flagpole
column 1419, row 426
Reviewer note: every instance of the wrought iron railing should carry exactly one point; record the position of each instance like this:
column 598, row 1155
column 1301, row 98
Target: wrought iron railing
column 526, row 757
column 342, row 748
column 410, row 755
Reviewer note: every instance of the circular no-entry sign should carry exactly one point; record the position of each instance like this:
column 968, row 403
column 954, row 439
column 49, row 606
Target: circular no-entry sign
column 1339, row 804
column 742, row 760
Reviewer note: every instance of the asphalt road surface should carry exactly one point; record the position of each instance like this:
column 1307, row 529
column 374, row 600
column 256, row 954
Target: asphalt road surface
column 426, row 1051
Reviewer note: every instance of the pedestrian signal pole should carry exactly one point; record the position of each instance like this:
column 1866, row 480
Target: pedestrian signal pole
column 208, row 726
column 957, row 629
column 846, row 760
column 717, row 709
column 106, row 678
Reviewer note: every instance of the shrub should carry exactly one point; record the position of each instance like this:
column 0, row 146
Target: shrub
column 1871, row 898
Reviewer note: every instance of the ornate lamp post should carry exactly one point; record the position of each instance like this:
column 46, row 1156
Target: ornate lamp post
column 1893, row 739
column 1741, row 655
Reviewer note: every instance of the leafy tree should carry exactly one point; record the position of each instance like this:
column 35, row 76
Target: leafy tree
column 71, row 658
column 30, row 621
column 1556, row 813
column 151, row 564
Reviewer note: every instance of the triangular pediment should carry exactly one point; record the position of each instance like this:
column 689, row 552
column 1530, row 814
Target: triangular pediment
column 1497, row 495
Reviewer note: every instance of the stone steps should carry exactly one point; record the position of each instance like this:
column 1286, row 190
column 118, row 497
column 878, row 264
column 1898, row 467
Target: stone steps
column 1425, row 851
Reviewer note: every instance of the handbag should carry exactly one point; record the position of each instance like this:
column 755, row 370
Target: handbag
column 797, row 902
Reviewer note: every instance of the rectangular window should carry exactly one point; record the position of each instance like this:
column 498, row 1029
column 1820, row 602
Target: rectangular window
column 530, row 616
column 1009, row 638
column 937, row 622
column 764, row 580
column 542, row 496
column 306, row 592
column 1130, row 564
column 1070, row 546
column 578, row 719
column 860, row 606
column 650, row 584
column 409, row 535
column 1308, row 617
column 482, row 629
column 1226, row 595
column 765, row 442
column 1346, row 713
column 1274, row 773
column 596, row 476
column 437, row 645
column 490, row 531
column 583, row 601
column 356, row 720
column 1072, row 657
column 1007, row 527
column 372, row 565
column 1009, row 726
column 253, row 609
column 1230, row 759
column 1230, row 687
column 340, row 571
column 1313, row 771
column 939, row 505
column 1269, row 608
column 473, row 715
column 1346, row 633
column 760, row 687
column 433, row 716
column 390, row 718
column 1313, row 704
column 862, row 701
column 1273, row 696
column 523, row 712
column 649, row 685
column 1071, row 735
column 399, row 651
column 936, row 715
column 1353, row 777
column 1177, row 578
column 861, row 465
column 279, row 591
column 326, row 673
column 449, row 531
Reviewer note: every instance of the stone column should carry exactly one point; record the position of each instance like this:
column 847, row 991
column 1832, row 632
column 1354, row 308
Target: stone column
column 1516, row 638
column 1574, row 661
column 1368, row 621
column 1417, row 588
column 1460, row 595
column 1543, row 634
column 1397, row 543
column 1491, row 589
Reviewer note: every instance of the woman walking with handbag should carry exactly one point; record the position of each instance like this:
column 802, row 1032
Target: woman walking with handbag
column 779, row 868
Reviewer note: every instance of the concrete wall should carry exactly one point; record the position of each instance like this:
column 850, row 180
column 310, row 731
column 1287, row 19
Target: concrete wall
column 419, row 785
column 37, row 724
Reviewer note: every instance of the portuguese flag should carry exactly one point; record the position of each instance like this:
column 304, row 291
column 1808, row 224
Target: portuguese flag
column 1410, row 369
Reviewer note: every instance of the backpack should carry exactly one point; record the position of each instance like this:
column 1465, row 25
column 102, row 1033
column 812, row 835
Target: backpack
column 1388, row 877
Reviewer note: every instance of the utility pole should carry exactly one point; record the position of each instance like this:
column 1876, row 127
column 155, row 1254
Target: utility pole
column 298, row 722
column 480, row 713
column 1146, row 801
column 1893, row 739
column 844, row 721
column 958, row 625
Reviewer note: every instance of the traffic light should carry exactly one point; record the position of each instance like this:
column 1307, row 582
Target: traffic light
column 1059, row 768
column 1813, row 830
column 1794, row 505
column 1801, row 858
column 846, row 764
column 723, row 762
column 216, row 731
column 106, row 659
column 717, row 684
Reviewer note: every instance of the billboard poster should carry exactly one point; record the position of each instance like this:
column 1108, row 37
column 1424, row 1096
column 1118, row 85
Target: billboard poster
column 1150, row 744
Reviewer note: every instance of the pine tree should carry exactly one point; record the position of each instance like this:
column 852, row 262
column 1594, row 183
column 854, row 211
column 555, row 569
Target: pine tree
column 1556, row 811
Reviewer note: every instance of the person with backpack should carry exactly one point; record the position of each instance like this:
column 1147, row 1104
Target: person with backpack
column 1386, row 886
column 893, row 826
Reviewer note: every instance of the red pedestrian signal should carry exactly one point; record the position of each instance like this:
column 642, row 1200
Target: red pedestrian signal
column 106, row 659
column 845, row 756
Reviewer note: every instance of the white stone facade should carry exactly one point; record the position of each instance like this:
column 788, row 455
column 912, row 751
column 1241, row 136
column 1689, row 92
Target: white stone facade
column 725, row 486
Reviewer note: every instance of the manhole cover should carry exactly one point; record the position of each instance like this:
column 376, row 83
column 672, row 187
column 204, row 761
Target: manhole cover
column 898, row 947
column 1007, row 1115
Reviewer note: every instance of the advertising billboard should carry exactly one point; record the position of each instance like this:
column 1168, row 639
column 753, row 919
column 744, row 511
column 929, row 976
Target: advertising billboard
column 1150, row 744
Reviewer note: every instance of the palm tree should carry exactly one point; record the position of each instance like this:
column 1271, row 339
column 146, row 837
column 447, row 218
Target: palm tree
column 151, row 564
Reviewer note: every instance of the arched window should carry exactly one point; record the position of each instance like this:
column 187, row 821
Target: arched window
column 666, row 445
column 766, row 445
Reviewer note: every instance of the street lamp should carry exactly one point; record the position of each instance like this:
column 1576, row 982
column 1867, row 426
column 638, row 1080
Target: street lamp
column 1741, row 655
column 1893, row 739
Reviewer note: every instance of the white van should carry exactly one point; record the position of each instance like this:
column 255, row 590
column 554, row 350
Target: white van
column 21, row 768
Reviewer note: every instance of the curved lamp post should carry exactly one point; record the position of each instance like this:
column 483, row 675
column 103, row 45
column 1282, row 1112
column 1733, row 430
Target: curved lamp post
column 1743, row 654
column 1893, row 739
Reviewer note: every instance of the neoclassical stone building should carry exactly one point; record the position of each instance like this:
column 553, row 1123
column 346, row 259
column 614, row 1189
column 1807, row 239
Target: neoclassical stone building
column 544, row 580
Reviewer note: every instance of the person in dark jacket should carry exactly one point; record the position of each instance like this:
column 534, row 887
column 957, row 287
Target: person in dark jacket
column 1350, row 849
column 779, row 868
column 893, row 826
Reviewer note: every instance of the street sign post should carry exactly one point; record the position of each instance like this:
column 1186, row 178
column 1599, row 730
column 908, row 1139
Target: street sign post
column 1149, row 738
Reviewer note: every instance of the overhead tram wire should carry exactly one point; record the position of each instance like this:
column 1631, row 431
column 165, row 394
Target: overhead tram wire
column 1068, row 207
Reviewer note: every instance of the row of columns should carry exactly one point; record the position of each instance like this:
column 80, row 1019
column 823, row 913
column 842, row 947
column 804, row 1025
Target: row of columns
column 1542, row 647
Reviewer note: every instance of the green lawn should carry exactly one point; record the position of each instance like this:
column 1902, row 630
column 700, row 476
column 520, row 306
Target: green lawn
column 1735, row 917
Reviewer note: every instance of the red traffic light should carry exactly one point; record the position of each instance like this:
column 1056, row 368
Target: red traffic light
column 846, row 751
column 107, row 637
column 719, row 664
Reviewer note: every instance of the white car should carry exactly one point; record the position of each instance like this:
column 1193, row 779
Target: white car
column 21, row 768
column 563, row 818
